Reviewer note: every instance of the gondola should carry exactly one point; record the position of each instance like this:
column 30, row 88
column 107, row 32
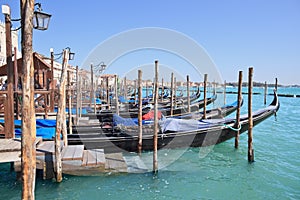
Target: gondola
column 174, row 133
column 183, row 100
column 133, row 113
column 116, row 120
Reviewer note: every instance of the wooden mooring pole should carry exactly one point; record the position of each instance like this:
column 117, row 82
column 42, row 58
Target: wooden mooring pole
column 205, row 100
column 140, row 143
column 60, row 119
column 265, row 93
column 17, row 109
column 125, row 88
column 172, row 94
column 238, row 110
column 135, row 91
column 70, row 103
column 107, row 93
column 80, row 95
column 155, row 163
column 162, row 89
column 9, row 115
column 116, row 94
column 147, row 89
column 250, row 118
column 224, row 92
column 188, row 92
column 28, row 151
column 92, row 98
column 52, row 85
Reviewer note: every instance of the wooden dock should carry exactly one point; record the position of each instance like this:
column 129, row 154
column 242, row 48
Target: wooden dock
column 76, row 160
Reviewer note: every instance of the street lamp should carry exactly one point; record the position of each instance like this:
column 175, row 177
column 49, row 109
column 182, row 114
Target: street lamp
column 52, row 86
column 40, row 19
column 100, row 67
column 71, row 54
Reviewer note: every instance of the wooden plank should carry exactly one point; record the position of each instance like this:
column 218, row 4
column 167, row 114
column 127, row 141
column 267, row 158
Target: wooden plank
column 72, row 152
column 15, row 145
column 37, row 141
column 4, row 144
column 8, row 145
column 100, row 156
column 67, row 153
column 78, row 152
column 91, row 158
column 85, row 158
column 46, row 146
column 10, row 156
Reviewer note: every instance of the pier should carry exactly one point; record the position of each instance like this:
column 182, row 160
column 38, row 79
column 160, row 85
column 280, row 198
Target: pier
column 75, row 159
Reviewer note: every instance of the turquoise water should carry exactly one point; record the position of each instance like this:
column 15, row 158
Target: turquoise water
column 224, row 173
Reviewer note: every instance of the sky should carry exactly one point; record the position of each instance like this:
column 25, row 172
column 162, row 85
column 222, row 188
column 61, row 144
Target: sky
column 235, row 34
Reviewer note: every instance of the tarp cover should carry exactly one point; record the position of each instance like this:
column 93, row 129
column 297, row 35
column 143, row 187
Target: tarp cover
column 181, row 125
column 123, row 121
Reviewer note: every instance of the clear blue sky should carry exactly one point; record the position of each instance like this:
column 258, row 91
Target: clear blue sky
column 236, row 34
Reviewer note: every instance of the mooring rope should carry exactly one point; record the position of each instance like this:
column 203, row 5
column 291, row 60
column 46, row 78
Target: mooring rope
column 234, row 129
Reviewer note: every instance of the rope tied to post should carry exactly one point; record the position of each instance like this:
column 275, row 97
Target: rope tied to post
column 234, row 129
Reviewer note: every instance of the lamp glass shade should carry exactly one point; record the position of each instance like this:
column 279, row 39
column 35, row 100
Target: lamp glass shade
column 41, row 20
column 71, row 56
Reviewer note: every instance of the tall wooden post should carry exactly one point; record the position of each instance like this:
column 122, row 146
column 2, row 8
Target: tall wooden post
column 140, row 143
column 28, row 151
column 70, row 103
column 107, row 93
column 250, row 118
column 188, row 92
column 155, row 163
column 9, row 117
column 77, row 95
column 224, row 92
column 52, row 85
column 16, row 77
column 16, row 84
column 135, row 91
column 205, row 100
column 116, row 94
column 125, row 88
column 80, row 96
column 175, row 93
column 162, row 89
column 172, row 94
column 239, row 99
column 60, row 121
column 265, row 93
column 147, row 95
column 92, row 87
